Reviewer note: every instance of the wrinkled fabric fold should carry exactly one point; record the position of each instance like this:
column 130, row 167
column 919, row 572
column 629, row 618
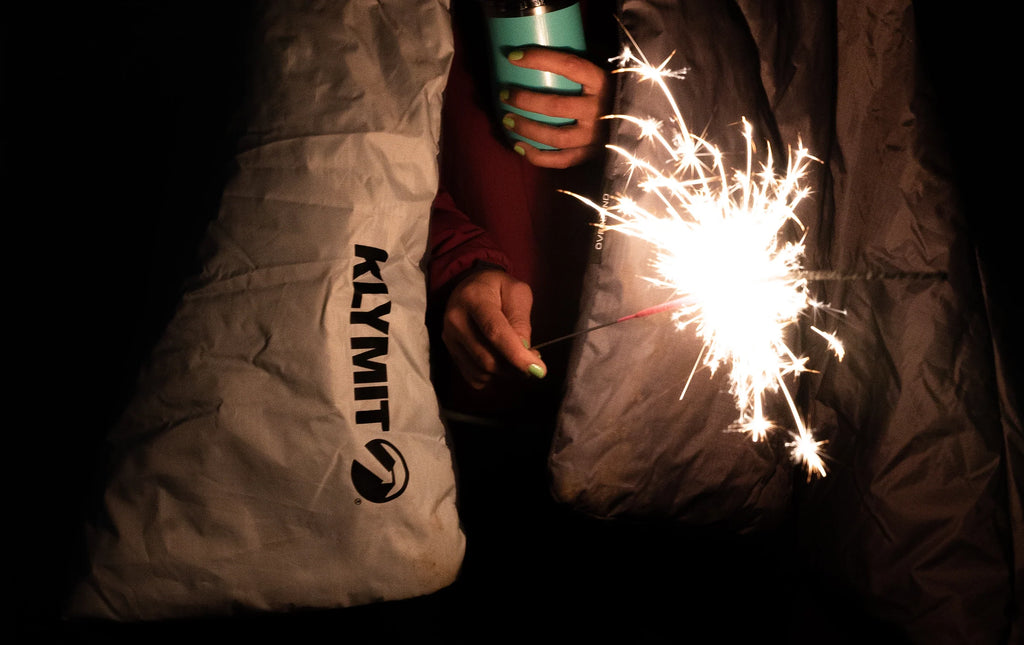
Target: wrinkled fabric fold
column 921, row 427
column 284, row 448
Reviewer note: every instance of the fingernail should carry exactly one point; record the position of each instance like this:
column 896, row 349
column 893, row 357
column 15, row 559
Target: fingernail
column 536, row 371
column 508, row 122
column 525, row 343
column 503, row 95
column 518, row 148
column 515, row 55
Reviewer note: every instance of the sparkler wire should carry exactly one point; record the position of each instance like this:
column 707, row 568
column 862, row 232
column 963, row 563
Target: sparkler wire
column 809, row 275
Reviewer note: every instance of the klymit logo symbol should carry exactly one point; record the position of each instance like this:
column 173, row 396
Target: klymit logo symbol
column 382, row 478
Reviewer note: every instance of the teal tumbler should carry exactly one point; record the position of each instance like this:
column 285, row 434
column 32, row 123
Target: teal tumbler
column 518, row 24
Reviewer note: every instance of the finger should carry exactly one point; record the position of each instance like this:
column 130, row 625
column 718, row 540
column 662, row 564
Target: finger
column 517, row 305
column 579, row 108
column 469, row 370
column 508, row 330
column 579, row 70
column 506, row 341
column 467, row 366
column 468, row 349
column 557, row 159
column 576, row 135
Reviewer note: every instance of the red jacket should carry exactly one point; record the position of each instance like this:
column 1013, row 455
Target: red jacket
column 496, row 207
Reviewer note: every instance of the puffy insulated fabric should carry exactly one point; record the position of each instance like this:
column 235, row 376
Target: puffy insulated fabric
column 919, row 517
column 629, row 447
column 284, row 447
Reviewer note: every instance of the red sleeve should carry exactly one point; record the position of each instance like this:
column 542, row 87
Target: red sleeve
column 456, row 243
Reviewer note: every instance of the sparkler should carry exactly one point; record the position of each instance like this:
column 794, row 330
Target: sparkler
column 741, row 309
column 643, row 313
column 811, row 276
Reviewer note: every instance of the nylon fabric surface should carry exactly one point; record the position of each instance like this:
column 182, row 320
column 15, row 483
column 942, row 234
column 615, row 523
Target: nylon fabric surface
column 284, row 448
column 919, row 517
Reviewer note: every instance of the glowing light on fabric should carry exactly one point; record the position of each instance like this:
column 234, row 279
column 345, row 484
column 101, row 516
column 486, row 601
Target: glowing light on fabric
column 721, row 246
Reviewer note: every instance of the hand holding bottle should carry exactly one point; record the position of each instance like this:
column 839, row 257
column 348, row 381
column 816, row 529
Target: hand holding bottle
column 584, row 135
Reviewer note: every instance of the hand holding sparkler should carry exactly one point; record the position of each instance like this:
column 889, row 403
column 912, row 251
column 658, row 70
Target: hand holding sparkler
column 487, row 324
column 575, row 143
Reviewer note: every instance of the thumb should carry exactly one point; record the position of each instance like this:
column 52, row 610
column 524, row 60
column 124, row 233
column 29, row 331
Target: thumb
column 517, row 305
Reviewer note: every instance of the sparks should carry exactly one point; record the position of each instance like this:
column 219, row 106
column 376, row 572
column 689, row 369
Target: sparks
column 721, row 246
column 834, row 343
column 805, row 450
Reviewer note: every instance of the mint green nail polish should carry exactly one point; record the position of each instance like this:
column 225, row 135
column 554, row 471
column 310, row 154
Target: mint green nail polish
column 518, row 148
column 515, row 55
column 536, row 370
column 525, row 343
column 508, row 122
column 503, row 95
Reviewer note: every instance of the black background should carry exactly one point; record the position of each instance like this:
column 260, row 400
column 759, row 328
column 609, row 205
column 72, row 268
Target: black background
column 119, row 125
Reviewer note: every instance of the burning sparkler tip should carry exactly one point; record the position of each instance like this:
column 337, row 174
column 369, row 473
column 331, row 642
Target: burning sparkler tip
column 696, row 211
column 805, row 450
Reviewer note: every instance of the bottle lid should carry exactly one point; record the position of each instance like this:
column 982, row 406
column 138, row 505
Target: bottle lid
column 520, row 8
